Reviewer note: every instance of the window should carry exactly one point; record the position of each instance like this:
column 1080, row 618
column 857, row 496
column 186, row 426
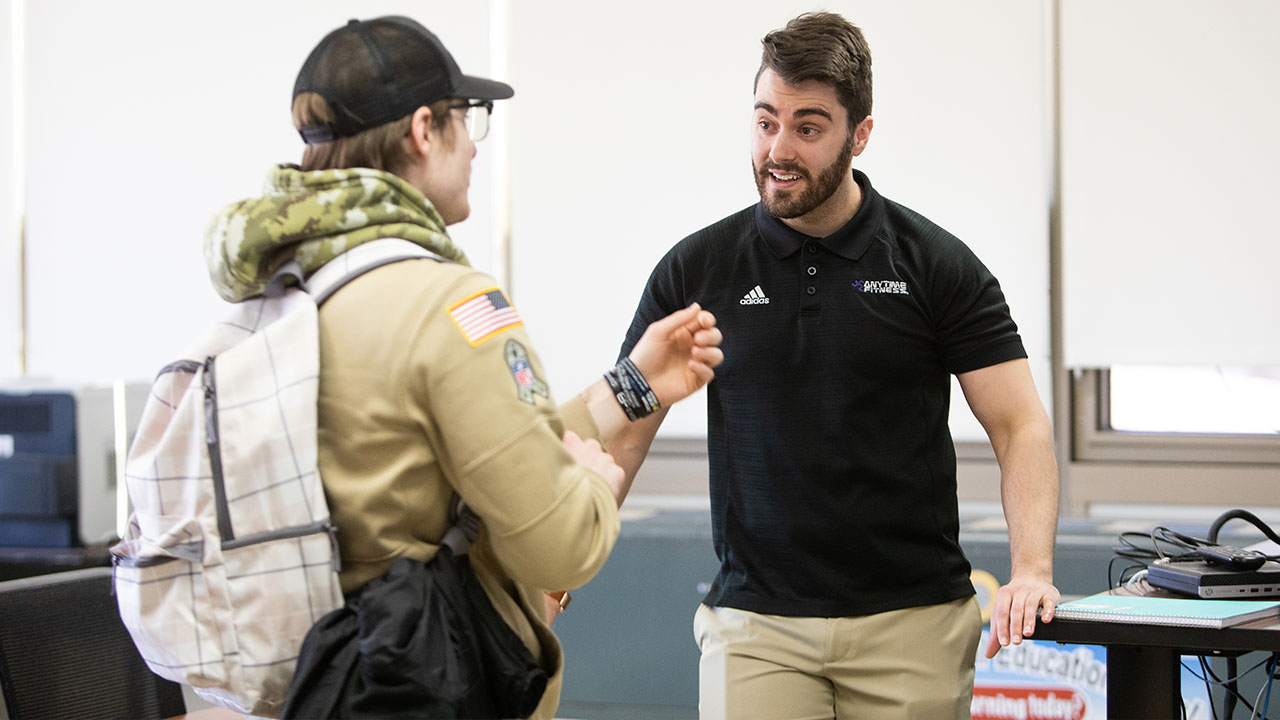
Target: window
column 1206, row 399
column 1187, row 414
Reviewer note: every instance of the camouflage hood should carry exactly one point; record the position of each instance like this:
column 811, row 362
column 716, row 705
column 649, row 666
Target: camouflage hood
column 313, row 217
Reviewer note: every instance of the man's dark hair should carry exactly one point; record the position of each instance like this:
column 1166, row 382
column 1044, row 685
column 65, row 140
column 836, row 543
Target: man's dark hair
column 825, row 47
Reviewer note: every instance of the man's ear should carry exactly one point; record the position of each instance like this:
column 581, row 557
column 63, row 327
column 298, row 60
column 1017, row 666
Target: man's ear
column 420, row 139
column 862, row 135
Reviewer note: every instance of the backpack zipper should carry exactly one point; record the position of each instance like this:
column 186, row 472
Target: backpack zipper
column 215, row 450
column 323, row 526
column 315, row 528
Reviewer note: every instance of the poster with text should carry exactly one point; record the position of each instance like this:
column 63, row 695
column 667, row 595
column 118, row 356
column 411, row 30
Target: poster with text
column 1041, row 680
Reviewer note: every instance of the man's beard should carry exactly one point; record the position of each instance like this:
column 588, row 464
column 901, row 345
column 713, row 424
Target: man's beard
column 787, row 204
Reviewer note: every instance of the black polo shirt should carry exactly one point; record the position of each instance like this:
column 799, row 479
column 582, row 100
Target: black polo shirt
column 833, row 473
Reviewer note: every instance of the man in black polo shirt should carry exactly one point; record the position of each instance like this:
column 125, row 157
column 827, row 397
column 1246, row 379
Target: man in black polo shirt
column 842, row 589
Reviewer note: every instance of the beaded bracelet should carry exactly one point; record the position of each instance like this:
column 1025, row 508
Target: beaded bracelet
column 631, row 390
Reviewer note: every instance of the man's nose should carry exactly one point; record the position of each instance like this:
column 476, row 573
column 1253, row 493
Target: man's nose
column 782, row 149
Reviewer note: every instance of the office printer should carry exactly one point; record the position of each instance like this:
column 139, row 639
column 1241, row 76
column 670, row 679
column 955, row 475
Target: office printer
column 58, row 461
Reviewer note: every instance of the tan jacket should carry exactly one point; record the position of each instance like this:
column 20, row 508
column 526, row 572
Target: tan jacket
column 412, row 408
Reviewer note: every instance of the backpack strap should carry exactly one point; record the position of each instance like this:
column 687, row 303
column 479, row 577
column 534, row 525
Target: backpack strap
column 348, row 266
column 466, row 527
column 289, row 274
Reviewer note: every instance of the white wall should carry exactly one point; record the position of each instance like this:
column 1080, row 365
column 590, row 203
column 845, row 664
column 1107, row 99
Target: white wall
column 628, row 129
column 9, row 275
column 144, row 118
column 1171, row 166
column 632, row 133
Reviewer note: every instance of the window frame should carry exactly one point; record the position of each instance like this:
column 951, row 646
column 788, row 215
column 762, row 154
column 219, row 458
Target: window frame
column 1094, row 440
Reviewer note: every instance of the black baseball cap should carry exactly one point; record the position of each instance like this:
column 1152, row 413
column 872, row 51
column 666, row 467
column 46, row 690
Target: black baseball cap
column 373, row 72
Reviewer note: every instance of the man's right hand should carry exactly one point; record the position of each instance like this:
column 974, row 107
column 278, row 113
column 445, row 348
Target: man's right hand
column 590, row 455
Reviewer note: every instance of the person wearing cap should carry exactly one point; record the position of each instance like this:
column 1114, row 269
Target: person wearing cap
column 430, row 385
column 843, row 591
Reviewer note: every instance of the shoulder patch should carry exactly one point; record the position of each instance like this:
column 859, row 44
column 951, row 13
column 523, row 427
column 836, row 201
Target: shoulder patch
column 527, row 384
column 483, row 315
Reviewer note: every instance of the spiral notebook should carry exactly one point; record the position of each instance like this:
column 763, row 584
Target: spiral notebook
column 1192, row 612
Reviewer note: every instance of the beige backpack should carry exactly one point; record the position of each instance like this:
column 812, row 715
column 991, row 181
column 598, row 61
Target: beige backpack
column 229, row 556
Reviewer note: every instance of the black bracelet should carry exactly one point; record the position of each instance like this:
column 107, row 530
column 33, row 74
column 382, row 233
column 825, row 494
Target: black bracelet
column 641, row 386
column 631, row 390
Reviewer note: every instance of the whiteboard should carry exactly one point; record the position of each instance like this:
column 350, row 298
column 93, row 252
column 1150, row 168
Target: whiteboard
column 631, row 132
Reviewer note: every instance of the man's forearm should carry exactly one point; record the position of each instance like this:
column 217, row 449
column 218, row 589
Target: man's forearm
column 627, row 441
column 1029, row 491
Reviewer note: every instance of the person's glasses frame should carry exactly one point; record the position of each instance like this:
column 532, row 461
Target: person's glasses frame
column 476, row 118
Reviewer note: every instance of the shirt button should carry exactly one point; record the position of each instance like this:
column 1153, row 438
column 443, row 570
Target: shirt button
column 812, row 248
column 811, row 289
column 813, row 270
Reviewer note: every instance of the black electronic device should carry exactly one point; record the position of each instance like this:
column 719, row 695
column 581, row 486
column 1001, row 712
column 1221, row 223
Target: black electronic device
column 1231, row 558
column 1209, row 580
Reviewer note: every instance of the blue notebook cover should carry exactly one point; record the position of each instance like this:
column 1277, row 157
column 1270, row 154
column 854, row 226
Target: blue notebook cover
column 1104, row 607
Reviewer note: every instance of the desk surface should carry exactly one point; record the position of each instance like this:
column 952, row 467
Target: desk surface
column 1261, row 634
column 1143, row 658
column 1258, row 635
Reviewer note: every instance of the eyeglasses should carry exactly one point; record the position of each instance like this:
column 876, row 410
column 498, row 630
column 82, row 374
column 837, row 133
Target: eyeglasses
column 476, row 118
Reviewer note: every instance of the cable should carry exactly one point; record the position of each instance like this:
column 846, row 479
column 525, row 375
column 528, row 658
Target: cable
column 1243, row 515
column 1229, row 700
column 1167, row 546
column 1161, row 545
column 1257, row 702
column 1126, row 574
column 1135, row 581
column 1208, row 687
column 1227, row 684
column 1261, row 704
column 1271, row 676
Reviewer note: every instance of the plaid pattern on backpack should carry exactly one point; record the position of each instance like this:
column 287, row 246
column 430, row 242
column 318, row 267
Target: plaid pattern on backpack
column 229, row 557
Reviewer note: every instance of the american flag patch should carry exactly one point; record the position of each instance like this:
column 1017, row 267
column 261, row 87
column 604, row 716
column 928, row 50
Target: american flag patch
column 484, row 315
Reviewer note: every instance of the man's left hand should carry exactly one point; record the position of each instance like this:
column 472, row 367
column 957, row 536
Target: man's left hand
column 1014, row 615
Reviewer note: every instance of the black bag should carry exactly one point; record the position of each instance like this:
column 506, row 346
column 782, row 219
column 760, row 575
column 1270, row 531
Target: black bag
column 422, row 641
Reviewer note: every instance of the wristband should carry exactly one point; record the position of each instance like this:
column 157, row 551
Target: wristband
column 631, row 390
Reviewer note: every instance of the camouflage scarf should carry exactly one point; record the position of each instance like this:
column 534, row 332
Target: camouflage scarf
column 313, row 217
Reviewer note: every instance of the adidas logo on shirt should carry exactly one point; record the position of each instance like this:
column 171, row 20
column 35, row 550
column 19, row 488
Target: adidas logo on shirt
column 755, row 297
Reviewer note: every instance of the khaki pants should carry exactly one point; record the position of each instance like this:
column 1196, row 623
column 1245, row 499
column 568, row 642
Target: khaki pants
column 896, row 665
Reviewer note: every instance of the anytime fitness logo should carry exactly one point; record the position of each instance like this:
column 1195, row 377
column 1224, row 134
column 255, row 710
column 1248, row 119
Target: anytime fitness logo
column 892, row 287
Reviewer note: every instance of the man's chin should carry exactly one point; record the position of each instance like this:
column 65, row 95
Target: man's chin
column 783, row 208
